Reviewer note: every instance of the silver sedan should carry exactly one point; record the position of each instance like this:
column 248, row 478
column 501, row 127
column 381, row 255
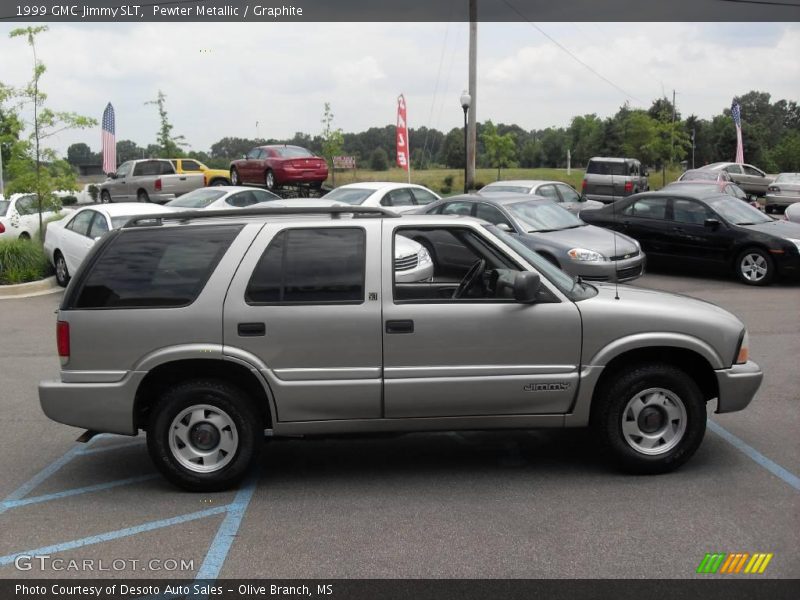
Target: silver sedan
column 783, row 192
column 557, row 191
column 593, row 253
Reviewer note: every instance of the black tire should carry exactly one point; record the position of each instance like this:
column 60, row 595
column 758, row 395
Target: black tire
column 105, row 197
column 235, row 177
column 613, row 424
column 269, row 180
column 141, row 196
column 236, row 409
column 219, row 181
column 62, row 272
column 755, row 266
column 24, row 236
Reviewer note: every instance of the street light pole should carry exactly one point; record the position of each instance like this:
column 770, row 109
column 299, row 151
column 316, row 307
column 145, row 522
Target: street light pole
column 465, row 102
column 2, row 184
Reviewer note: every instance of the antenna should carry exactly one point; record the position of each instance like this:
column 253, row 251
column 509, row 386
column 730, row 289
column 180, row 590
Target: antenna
column 614, row 231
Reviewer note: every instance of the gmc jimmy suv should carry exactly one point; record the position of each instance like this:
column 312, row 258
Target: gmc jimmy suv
column 205, row 329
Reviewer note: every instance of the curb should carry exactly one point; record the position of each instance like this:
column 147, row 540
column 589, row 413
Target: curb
column 33, row 288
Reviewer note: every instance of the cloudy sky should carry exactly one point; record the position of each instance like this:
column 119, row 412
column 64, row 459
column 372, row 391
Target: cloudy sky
column 222, row 78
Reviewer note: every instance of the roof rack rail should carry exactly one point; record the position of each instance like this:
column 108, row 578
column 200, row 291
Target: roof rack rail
column 191, row 215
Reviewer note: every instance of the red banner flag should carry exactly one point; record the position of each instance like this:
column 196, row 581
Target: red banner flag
column 402, row 134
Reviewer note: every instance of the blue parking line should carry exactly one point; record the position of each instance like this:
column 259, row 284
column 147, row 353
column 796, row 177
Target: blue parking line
column 6, row 504
column 115, row 535
column 771, row 466
column 137, row 442
column 218, row 551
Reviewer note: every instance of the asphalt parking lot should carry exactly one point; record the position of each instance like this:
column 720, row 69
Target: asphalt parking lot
column 513, row 504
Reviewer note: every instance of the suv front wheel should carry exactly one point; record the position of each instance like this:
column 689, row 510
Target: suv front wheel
column 651, row 419
column 203, row 435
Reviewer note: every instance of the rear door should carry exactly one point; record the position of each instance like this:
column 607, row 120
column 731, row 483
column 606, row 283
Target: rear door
column 305, row 303
column 646, row 221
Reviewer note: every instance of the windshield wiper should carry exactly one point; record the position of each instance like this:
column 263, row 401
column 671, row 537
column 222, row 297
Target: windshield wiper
column 542, row 230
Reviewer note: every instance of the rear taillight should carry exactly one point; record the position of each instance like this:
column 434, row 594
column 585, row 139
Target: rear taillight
column 158, row 184
column 62, row 339
column 773, row 188
column 583, row 185
column 2, row 228
column 628, row 187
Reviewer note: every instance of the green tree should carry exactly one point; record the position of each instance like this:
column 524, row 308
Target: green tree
column 332, row 138
column 128, row 150
column 379, row 160
column 786, row 155
column 500, row 150
column 170, row 145
column 43, row 179
column 452, row 155
column 80, row 154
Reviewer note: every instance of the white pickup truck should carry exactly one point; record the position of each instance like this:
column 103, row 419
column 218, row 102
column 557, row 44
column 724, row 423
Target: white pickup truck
column 148, row 180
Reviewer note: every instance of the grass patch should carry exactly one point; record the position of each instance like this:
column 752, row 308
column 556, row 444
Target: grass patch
column 438, row 179
column 22, row 261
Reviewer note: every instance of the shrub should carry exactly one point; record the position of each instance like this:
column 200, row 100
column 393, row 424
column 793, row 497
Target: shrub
column 94, row 191
column 448, row 181
column 379, row 160
column 21, row 261
column 68, row 200
column 445, row 189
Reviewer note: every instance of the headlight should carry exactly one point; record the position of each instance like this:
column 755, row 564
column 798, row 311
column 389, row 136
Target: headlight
column 584, row 255
column 744, row 349
column 795, row 242
column 424, row 258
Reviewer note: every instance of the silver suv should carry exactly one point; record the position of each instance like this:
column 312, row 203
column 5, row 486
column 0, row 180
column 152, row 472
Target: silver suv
column 609, row 179
column 204, row 329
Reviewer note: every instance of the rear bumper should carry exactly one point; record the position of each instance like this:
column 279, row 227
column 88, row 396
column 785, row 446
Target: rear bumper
column 737, row 386
column 776, row 200
column 289, row 175
column 161, row 198
column 103, row 407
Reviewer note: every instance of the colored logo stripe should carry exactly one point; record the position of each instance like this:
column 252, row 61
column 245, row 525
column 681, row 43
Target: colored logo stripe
column 730, row 563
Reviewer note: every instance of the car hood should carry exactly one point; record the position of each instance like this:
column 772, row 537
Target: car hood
column 647, row 317
column 592, row 238
column 783, row 229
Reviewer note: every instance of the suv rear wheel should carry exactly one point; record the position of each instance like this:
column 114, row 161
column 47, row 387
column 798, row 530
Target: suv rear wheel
column 203, row 435
column 651, row 419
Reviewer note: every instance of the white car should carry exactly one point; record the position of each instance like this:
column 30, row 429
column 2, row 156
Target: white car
column 400, row 197
column 221, row 196
column 557, row 191
column 68, row 241
column 19, row 216
column 792, row 213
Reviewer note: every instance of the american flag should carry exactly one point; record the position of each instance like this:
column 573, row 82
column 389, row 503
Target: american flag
column 736, row 113
column 109, row 141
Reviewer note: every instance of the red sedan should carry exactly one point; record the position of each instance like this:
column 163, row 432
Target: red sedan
column 274, row 166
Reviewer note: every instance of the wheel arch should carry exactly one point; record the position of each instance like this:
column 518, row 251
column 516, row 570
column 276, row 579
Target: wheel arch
column 169, row 373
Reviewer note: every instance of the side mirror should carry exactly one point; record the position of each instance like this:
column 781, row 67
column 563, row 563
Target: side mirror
column 111, row 175
column 526, row 287
column 711, row 223
column 505, row 227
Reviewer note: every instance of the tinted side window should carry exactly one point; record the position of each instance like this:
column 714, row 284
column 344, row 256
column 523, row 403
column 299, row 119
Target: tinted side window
column 423, row 197
column 80, row 223
column 648, row 208
column 401, row 197
column 734, row 169
column 166, row 168
column 155, row 267
column 311, row 266
column 568, row 194
column 689, row 212
column 491, row 214
column 548, row 191
column 190, row 165
column 752, row 171
column 99, row 225
column 25, row 206
column 597, row 167
column 457, row 208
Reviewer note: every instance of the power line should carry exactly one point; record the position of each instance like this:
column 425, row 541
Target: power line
column 575, row 58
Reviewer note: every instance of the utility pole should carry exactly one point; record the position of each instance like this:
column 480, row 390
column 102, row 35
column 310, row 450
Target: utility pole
column 672, row 132
column 2, row 184
column 472, row 121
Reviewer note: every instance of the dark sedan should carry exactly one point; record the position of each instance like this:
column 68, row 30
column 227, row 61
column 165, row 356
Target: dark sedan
column 706, row 228
column 277, row 165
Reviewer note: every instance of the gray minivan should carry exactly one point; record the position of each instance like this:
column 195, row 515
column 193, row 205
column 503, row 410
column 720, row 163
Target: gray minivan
column 609, row 179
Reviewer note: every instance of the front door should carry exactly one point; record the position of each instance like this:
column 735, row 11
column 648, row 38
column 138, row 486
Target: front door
column 692, row 240
column 451, row 348
column 304, row 301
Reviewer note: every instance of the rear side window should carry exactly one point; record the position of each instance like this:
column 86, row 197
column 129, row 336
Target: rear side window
column 154, row 268
column 598, row 167
column 311, row 266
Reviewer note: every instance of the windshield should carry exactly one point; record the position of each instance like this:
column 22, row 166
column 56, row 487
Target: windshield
column 788, row 178
column 197, row 199
column 349, row 195
column 737, row 212
column 4, row 204
column 518, row 189
column 569, row 287
column 543, row 216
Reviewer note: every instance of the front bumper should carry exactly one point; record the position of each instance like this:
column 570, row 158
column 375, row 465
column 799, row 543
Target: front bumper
column 737, row 386
column 103, row 407
column 610, row 271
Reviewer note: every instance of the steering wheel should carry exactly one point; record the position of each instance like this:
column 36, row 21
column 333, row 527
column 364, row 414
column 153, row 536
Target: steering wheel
column 475, row 271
